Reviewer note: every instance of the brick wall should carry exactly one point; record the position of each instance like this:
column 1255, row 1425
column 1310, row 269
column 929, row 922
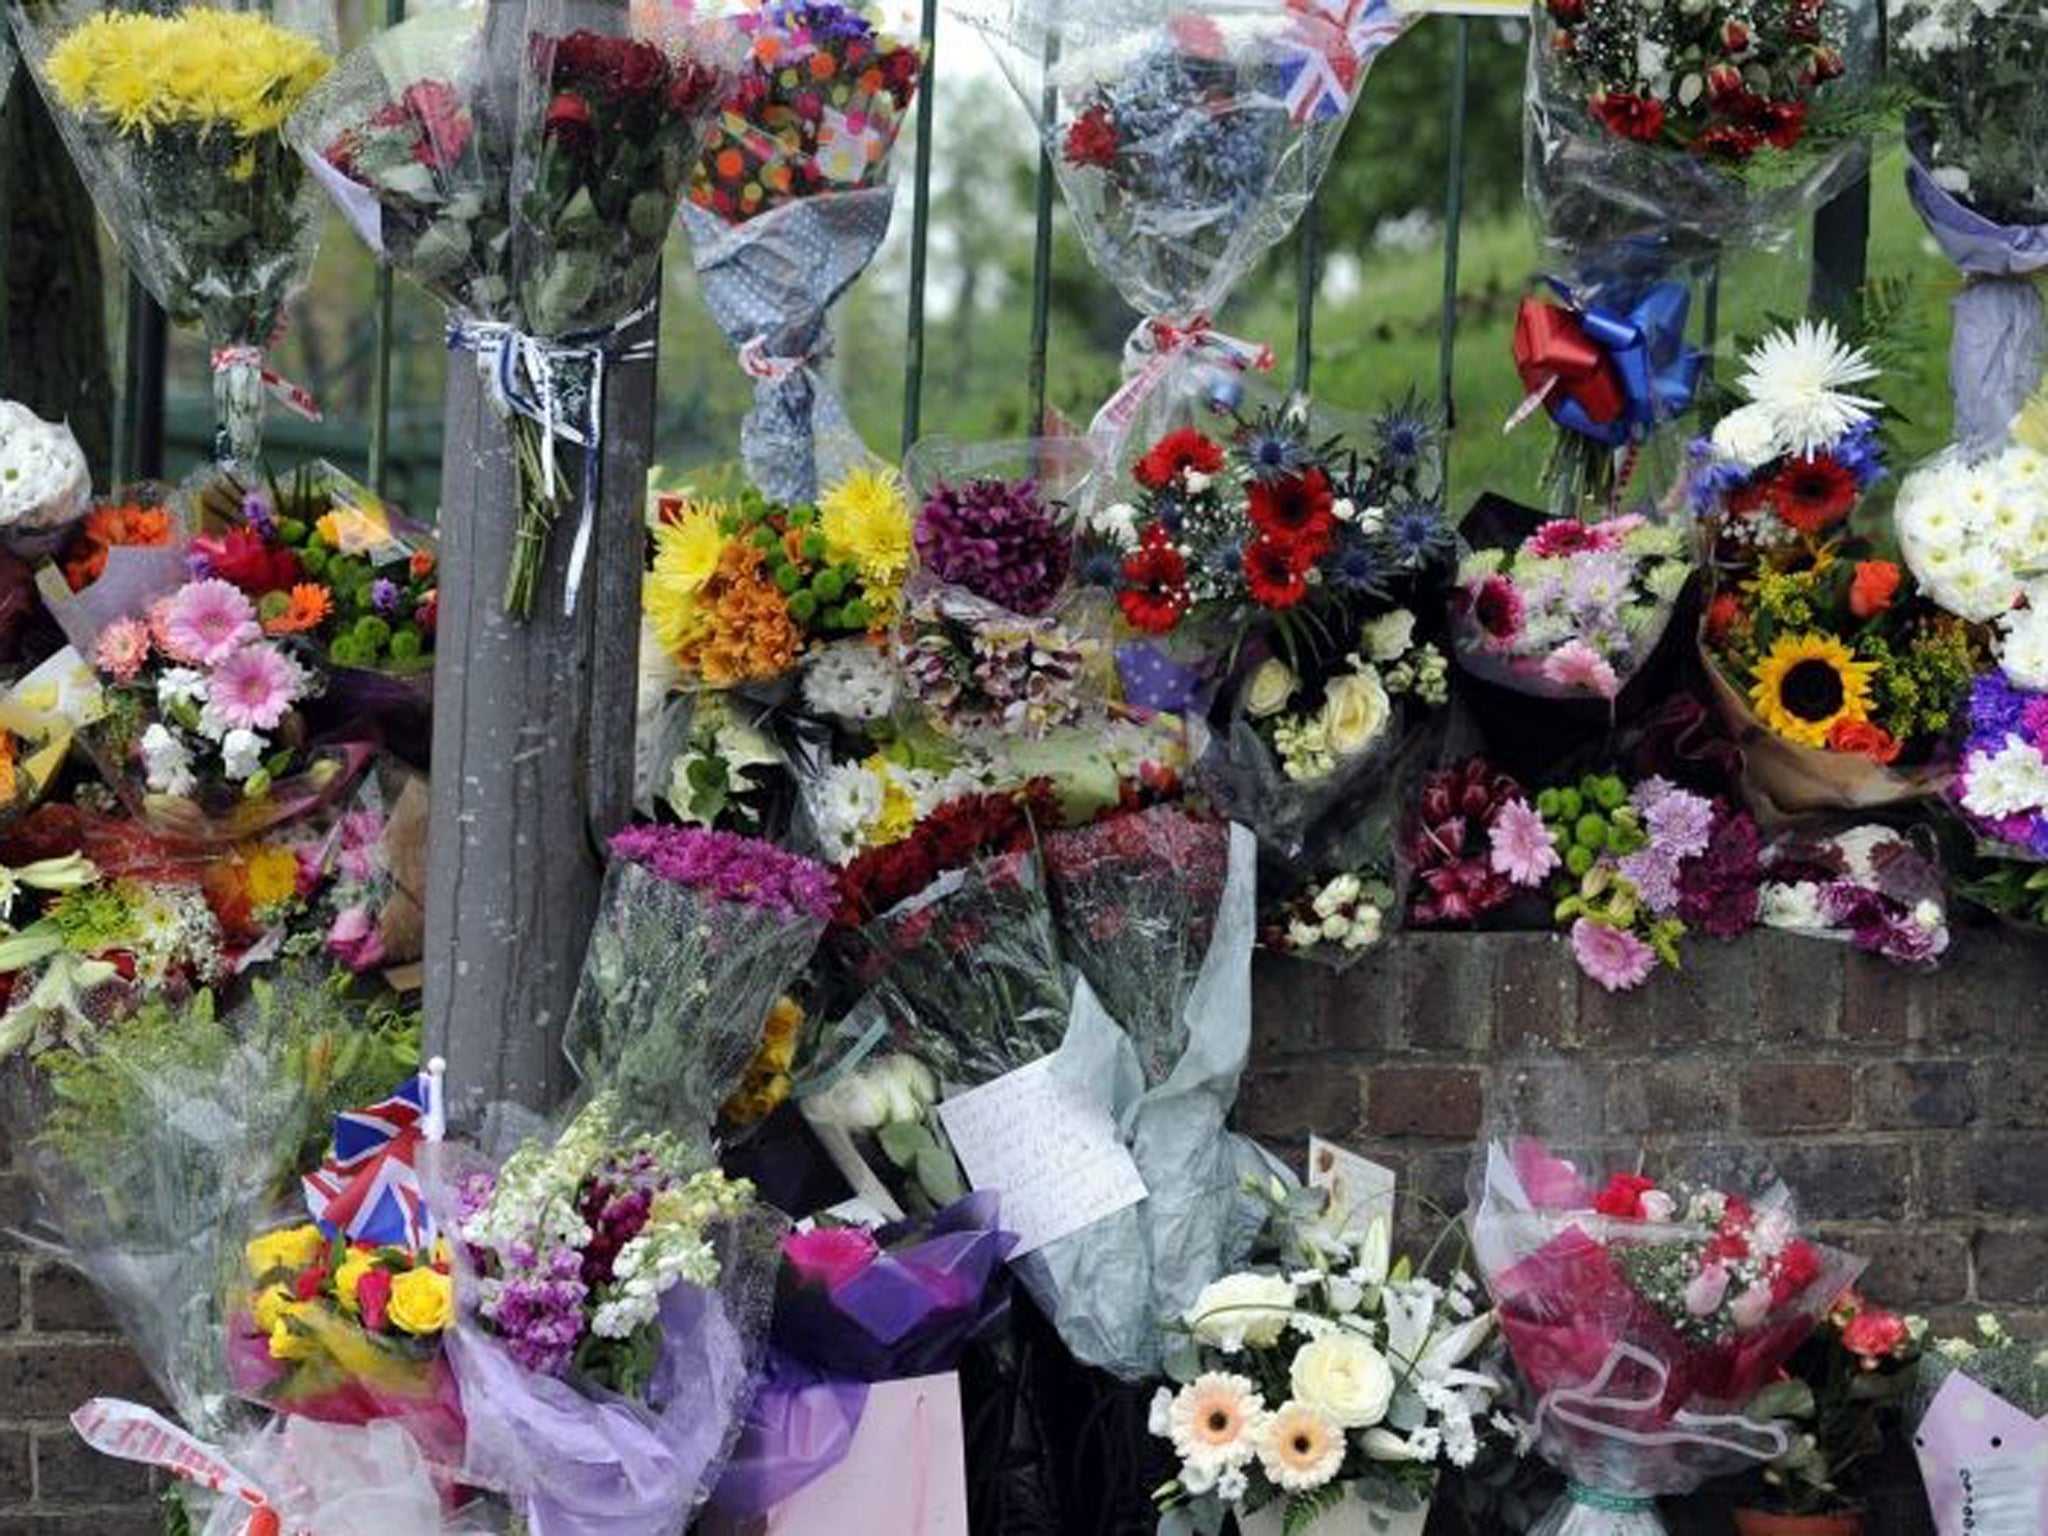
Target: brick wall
column 1910, row 1114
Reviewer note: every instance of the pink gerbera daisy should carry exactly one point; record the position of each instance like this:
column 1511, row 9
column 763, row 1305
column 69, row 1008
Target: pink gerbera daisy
column 1576, row 664
column 122, row 648
column 1521, row 846
column 1614, row 957
column 204, row 622
column 253, row 688
column 1497, row 608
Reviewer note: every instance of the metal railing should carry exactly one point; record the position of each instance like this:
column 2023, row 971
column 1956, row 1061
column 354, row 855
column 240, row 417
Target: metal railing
column 1840, row 240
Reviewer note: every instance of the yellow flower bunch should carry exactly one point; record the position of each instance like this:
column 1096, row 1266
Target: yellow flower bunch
column 866, row 520
column 203, row 68
column 766, row 1083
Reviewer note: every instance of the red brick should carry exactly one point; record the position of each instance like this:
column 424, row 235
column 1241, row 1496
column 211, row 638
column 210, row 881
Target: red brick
column 1791, row 1096
column 1877, row 1002
column 10, row 1293
column 14, row 1466
column 1424, row 1101
column 2012, row 1266
column 1916, row 1267
column 1302, row 1008
column 69, row 1471
column 1690, row 1095
column 1798, row 989
column 1909, row 1095
column 1999, row 1175
column 61, row 1300
column 1845, row 1180
column 1536, row 990
column 2016, row 1093
column 47, row 1379
column 1285, row 1106
column 1448, row 992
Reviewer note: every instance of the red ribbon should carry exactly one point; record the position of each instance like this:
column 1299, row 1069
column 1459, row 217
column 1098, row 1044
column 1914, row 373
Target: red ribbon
column 1556, row 358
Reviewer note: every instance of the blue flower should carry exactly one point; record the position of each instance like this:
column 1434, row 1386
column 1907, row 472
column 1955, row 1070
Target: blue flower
column 1418, row 533
column 1405, row 435
column 1101, row 567
column 1861, row 452
column 1359, row 568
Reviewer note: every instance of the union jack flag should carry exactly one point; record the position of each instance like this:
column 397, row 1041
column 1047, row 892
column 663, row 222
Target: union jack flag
column 368, row 1190
column 1341, row 38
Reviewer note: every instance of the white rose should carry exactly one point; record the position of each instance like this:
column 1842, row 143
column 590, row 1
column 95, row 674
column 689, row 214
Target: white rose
column 1242, row 1309
column 1365, row 928
column 855, row 1103
column 1269, row 688
column 1656, row 1205
column 914, row 1078
column 1346, row 1378
column 1388, row 637
column 1355, row 712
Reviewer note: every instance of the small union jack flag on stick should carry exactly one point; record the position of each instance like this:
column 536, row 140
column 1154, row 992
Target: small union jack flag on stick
column 368, row 1190
column 1340, row 39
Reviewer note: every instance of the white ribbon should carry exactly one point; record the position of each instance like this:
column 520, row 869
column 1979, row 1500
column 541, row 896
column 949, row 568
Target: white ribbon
column 1156, row 346
column 1578, row 1407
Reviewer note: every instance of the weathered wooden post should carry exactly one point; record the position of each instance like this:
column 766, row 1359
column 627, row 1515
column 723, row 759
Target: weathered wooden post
column 533, row 718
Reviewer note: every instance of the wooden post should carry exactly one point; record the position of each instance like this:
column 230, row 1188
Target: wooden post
column 533, row 719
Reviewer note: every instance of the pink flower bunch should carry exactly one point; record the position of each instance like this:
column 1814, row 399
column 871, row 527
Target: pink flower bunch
column 1473, row 845
column 731, row 868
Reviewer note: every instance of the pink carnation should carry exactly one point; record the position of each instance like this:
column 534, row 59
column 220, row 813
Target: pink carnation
column 1521, row 846
column 1614, row 957
column 122, row 648
column 1576, row 664
column 203, row 623
column 829, row 1256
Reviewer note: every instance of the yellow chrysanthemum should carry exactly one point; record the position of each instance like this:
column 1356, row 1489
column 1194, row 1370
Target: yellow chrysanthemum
column 866, row 520
column 203, row 69
column 355, row 530
column 898, row 817
column 271, row 874
column 686, row 552
column 1808, row 684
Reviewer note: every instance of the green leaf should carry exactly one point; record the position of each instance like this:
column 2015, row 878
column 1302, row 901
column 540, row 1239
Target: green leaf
column 938, row 1175
column 1305, row 1509
column 1782, row 1400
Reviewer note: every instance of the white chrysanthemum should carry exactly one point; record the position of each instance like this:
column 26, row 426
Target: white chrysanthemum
column 1799, row 378
column 2013, row 781
column 851, row 681
column 166, row 761
column 2023, row 647
column 44, row 482
column 241, row 753
column 1747, row 437
column 847, row 799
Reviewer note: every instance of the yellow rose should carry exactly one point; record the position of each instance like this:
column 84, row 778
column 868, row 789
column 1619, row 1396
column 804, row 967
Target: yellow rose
column 422, row 1301
column 269, row 1305
column 288, row 1342
column 293, row 1248
column 356, row 1264
column 1355, row 712
column 1271, row 686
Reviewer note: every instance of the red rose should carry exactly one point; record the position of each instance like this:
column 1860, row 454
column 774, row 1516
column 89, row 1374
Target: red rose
column 444, row 124
column 1782, row 123
column 1173, row 455
column 1275, row 573
column 306, row 1284
column 1724, row 81
column 568, row 121
column 1091, row 138
column 1294, row 510
column 1629, row 116
column 1722, row 613
column 1873, row 1334
column 1570, row 12
column 1623, row 1196
column 1734, row 36
column 373, row 1298
column 1874, row 589
column 1798, row 1267
column 1823, row 65
column 1860, row 738
column 1728, row 141
column 240, row 556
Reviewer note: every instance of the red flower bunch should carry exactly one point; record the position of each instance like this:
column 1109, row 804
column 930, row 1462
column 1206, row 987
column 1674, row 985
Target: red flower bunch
column 1294, row 511
column 252, row 563
column 1091, row 138
column 1622, row 1199
column 1454, row 880
column 953, row 836
column 1628, row 116
column 1275, row 572
column 1173, row 456
column 438, row 117
column 1154, row 593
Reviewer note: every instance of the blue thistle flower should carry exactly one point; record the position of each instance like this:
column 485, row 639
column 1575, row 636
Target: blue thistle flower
column 1359, row 568
column 1418, row 533
column 1405, row 435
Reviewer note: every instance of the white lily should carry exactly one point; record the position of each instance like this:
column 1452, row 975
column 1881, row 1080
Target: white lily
column 1385, row 1445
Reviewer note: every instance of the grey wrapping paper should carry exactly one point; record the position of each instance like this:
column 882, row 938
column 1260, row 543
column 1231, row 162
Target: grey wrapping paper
column 769, row 283
column 2000, row 350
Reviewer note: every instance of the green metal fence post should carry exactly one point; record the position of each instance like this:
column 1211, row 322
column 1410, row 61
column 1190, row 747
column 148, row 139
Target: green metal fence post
column 380, row 366
column 1308, row 276
column 1041, row 246
column 920, row 231
column 1454, row 218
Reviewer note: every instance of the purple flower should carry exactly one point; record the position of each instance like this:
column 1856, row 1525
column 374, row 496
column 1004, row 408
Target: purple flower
column 1996, row 710
column 732, row 868
column 1679, row 822
column 257, row 514
column 1720, row 890
column 1881, row 926
column 384, row 596
column 1613, row 957
column 1520, row 846
column 996, row 538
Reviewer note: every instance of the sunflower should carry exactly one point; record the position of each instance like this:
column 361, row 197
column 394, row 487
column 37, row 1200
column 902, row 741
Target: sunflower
column 1808, row 684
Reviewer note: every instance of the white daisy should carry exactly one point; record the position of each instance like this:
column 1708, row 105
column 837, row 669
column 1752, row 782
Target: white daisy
column 2013, row 781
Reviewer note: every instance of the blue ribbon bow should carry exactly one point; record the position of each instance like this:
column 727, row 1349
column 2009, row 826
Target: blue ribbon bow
column 1644, row 340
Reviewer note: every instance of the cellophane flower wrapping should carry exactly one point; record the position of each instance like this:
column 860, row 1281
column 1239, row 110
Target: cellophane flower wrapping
column 788, row 204
column 128, row 551
column 524, row 169
column 1977, row 172
column 1701, row 126
column 697, row 934
column 1107, row 1286
column 175, row 116
column 854, row 1307
column 1642, row 1318
column 1188, row 140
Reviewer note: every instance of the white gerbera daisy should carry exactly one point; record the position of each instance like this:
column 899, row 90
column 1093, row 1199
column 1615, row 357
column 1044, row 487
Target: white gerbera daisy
column 1214, row 1421
column 1301, row 1448
column 1798, row 377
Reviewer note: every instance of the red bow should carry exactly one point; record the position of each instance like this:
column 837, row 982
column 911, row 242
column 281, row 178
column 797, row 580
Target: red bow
column 1558, row 362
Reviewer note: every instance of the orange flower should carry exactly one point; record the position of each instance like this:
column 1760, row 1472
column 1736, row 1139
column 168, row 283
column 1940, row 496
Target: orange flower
column 422, row 564
column 748, row 636
column 308, row 608
column 108, row 528
column 1864, row 739
column 1875, row 586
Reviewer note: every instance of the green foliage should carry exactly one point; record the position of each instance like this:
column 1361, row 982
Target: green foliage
column 1305, row 1509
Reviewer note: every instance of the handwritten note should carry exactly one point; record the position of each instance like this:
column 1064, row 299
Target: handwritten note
column 1050, row 1149
column 2002, row 1497
column 1361, row 1191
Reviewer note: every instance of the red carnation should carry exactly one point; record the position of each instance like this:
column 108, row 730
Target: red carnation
column 1154, row 594
column 1734, row 36
column 1629, row 116
column 306, row 1284
column 1623, row 1196
column 1091, row 138
column 444, row 124
column 1294, row 510
column 1722, row 614
column 1813, row 493
column 1498, row 610
column 1782, row 123
column 1729, row 141
column 1273, row 571
column 1173, row 455
column 1798, row 1267
column 1823, row 65
column 373, row 1298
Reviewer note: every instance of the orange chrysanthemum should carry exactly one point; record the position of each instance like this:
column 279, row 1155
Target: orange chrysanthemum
column 308, row 608
column 107, row 528
column 748, row 636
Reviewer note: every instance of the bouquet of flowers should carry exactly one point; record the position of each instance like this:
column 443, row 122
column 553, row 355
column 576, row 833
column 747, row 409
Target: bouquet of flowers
column 1976, row 1415
column 1333, row 1378
column 1187, row 139
column 2001, row 790
column 789, row 201
column 1473, row 841
column 175, row 117
column 1870, row 886
column 1336, row 917
column 45, row 485
column 1713, row 123
column 854, row 1307
column 203, row 733
column 743, row 592
column 1644, row 1315
column 525, row 174
column 1978, row 175
column 1574, row 610
column 126, row 552
column 612, row 1293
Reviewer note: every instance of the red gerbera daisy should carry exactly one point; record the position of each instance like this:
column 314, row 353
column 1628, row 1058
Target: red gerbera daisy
column 1813, row 493
column 1273, row 571
column 1175, row 454
column 1154, row 594
column 1294, row 510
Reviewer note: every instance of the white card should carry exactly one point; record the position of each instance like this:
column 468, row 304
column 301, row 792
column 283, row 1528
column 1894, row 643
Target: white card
column 1500, row 10
column 2001, row 1497
column 358, row 204
column 1361, row 1191
column 1049, row 1148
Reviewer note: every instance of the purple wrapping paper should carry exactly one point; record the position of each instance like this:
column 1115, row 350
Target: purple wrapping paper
column 908, row 1313
column 2001, row 337
column 587, row 1464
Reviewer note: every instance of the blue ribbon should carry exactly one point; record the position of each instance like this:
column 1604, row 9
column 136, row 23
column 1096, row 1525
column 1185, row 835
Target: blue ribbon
column 1644, row 340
